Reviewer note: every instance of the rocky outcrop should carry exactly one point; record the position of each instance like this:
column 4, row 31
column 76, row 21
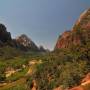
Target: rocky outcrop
column 58, row 88
column 83, row 21
column 4, row 35
column 62, row 41
column 78, row 35
column 86, row 80
column 25, row 43
column 77, row 88
column 34, row 85
column 41, row 49
column 84, row 83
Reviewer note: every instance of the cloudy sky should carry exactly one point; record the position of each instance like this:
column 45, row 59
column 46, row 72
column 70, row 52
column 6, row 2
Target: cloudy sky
column 42, row 20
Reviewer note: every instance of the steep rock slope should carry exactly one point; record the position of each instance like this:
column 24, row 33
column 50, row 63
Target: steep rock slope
column 22, row 42
column 25, row 42
column 79, row 35
column 4, row 35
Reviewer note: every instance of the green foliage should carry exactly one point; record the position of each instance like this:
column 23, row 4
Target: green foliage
column 18, row 87
column 2, row 69
column 62, row 67
column 8, row 52
column 17, row 75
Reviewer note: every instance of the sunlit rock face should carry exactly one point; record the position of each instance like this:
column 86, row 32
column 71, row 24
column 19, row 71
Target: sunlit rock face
column 78, row 35
column 83, row 21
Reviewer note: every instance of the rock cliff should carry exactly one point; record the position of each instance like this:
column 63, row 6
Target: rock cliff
column 78, row 35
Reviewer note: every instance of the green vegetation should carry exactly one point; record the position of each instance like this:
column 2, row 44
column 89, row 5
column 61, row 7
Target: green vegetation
column 11, row 58
column 64, row 67
column 2, row 69
column 17, row 87
column 17, row 75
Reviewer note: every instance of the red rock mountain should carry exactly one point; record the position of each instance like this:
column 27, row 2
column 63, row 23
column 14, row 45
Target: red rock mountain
column 78, row 35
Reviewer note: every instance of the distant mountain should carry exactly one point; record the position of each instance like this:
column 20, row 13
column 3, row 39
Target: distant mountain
column 25, row 43
column 79, row 35
column 4, row 35
column 22, row 42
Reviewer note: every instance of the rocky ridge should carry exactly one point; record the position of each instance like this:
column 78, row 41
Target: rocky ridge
column 22, row 42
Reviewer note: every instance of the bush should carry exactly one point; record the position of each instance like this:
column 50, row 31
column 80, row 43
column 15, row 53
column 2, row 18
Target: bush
column 61, row 69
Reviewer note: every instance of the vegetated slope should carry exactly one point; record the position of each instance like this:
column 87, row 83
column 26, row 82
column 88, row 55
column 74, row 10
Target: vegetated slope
column 68, row 64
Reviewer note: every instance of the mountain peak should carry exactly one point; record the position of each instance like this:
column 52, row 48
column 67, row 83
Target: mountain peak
column 26, row 42
column 23, row 36
column 84, row 20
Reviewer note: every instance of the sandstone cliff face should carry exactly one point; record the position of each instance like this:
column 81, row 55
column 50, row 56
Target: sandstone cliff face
column 78, row 35
column 85, row 84
column 84, row 20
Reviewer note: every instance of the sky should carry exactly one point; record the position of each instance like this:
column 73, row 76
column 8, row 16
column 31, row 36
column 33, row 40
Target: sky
column 42, row 20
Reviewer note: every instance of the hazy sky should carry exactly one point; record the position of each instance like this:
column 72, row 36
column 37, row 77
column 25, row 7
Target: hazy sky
column 41, row 20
